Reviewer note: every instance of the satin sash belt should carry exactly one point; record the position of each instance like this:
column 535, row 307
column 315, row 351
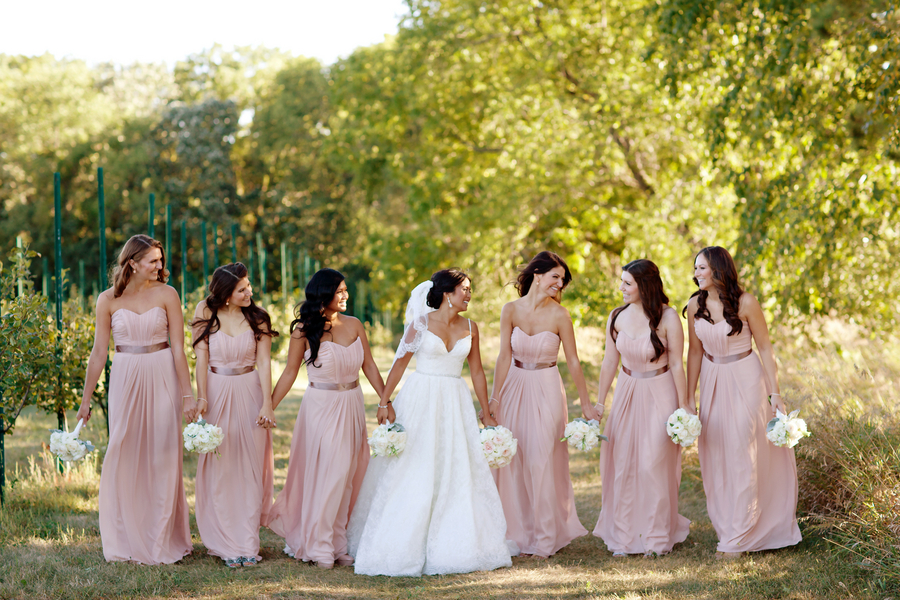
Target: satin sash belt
column 334, row 387
column 724, row 360
column 645, row 374
column 142, row 349
column 227, row 371
column 533, row 366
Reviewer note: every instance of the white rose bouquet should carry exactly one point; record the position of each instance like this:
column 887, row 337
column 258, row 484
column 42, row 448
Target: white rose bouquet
column 388, row 439
column 582, row 434
column 787, row 430
column 67, row 446
column 683, row 427
column 499, row 446
column 202, row 437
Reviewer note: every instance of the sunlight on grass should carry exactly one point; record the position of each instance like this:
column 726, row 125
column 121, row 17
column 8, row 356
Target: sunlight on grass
column 51, row 545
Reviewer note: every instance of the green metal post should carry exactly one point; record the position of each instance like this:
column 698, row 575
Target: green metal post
column 306, row 267
column 215, row 244
column 45, row 279
column 250, row 260
column 169, row 237
column 57, row 246
column 81, row 288
column 151, row 228
column 290, row 276
column 104, row 282
column 205, row 254
column 234, row 242
column 316, row 266
column 284, row 288
column 20, row 284
column 183, row 263
column 261, row 253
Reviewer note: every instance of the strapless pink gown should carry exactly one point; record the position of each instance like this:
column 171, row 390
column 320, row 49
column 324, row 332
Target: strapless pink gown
column 235, row 489
column 535, row 488
column 143, row 511
column 329, row 456
column 750, row 484
column 640, row 467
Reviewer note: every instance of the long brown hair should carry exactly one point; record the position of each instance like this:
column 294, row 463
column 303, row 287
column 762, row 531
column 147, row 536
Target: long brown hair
column 725, row 280
column 135, row 249
column 653, row 300
column 543, row 262
column 319, row 292
column 222, row 285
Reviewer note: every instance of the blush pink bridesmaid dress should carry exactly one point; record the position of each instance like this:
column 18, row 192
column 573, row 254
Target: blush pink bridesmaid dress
column 640, row 467
column 143, row 511
column 535, row 488
column 235, row 489
column 329, row 456
column 750, row 484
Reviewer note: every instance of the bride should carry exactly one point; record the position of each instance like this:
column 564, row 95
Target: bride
column 434, row 509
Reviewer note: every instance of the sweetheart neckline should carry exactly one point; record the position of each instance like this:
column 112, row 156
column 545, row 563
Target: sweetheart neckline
column 535, row 334
column 135, row 313
column 445, row 345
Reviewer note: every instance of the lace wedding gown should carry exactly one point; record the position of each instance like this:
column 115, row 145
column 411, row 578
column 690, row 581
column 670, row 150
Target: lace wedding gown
column 434, row 509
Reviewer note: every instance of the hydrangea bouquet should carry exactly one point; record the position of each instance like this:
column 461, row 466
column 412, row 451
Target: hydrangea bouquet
column 582, row 434
column 787, row 430
column 388, row 439
column 683, row 427
column 202, row 437
column 499, row 446
column 67, row 446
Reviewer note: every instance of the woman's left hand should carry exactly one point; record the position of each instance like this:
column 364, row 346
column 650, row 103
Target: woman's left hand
column 591, row 412
column 777, row 404
column 266, row 418
column 488, row 421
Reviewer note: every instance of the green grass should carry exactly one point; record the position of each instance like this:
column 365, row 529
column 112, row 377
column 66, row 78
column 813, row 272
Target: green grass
column 50, row 543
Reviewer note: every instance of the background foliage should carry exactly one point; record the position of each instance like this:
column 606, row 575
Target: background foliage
column 488, row 130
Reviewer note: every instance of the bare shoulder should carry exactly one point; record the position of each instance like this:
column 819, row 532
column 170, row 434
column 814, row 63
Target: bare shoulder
column 105, row 298
column 165, row 292
column 693, row 303
column 670, row 317
column 474, row 326
column 558, row 311
column 747, row 302
column 202, row 310
column 298, row 333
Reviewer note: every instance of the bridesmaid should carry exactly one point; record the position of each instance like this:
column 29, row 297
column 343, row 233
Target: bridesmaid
column 750, row 484
column 535, row 488
column 329, row 451
column 233, row 336
column 640, row 466
column 143, row 511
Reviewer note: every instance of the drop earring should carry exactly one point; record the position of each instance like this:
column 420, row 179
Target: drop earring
column 449, row 302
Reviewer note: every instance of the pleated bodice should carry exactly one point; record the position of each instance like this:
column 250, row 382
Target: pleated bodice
column 716, row 340
column 139, row 329
column 232, row 352
column 433, row 358
column 637, row 353
column 541, row 347
column 336, row 363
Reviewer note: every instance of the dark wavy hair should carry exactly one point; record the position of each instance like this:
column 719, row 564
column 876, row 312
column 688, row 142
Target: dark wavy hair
column 653, row 299
column 725, row 280
column 222, row 285
column 135, row 248
column 542, row 263
column 445, row 281
column 310, row 313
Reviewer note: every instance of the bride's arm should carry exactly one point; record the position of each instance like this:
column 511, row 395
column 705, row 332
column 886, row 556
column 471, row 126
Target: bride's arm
column 385, row 409
column 476, row 369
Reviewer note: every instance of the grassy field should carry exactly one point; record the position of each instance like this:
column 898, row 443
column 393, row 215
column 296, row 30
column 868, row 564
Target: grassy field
column 50, row 542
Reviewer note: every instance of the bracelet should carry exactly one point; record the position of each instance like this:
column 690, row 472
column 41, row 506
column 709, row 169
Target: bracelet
column 493, row 400
column 385, row 406
column 187, row 396
column 204, row 399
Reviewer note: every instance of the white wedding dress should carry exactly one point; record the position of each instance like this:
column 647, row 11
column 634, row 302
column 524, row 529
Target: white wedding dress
column 435, row 508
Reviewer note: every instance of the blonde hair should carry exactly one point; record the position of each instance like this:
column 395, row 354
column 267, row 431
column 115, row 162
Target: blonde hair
column 135, row 249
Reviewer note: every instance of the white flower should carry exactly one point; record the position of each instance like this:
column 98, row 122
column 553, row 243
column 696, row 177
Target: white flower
column 67, row 446
column 582, row 434
column 683, row 428
column 387, row 440
column 202, row 437
column 786, row 430
column 499, row 446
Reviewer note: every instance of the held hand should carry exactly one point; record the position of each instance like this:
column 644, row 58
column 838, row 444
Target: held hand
column 190, row 410
column 84, row 412
column 266, row 418
column 488, row 421
column 383, row 414
column 591, row 412
column 690, row 407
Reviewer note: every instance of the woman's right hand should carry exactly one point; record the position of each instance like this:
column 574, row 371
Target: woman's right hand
column 84, row 412
column 383, row 414
column 591, row 412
